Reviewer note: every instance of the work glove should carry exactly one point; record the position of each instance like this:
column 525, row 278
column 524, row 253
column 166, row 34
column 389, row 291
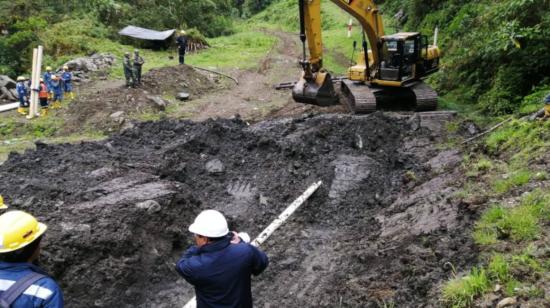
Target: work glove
column 241, row 236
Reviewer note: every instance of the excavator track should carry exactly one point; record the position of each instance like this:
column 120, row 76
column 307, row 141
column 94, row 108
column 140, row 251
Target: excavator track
column 359, row 97
column 426, row 97
column 363, row 98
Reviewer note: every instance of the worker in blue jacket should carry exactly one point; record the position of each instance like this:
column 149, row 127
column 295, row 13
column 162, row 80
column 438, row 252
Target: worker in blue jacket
column 23, row 95
column 57, row 90
column 48, row 80
column 221, row 263
column 67, row 78
column 23, row 284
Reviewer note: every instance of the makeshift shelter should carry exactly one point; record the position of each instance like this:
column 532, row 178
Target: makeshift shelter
column 155, row 39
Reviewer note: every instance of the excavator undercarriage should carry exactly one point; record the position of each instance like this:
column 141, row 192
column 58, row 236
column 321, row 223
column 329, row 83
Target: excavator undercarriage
column 362, row 98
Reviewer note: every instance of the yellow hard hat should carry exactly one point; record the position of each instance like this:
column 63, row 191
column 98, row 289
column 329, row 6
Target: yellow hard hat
column 182, row 32
column 2, row 204
column 20, row 78
column 48, row 68
column 18, row 229
column 65, row 67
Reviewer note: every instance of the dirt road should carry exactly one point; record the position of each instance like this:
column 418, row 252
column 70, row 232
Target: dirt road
column 255, row 98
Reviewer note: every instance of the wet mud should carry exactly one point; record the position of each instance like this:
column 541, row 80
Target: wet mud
column 382, row 229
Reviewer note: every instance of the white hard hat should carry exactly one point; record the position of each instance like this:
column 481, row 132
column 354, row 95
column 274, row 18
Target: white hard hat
column 210, row 223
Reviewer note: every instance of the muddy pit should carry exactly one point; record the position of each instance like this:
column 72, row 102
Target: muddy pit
column 381, row 228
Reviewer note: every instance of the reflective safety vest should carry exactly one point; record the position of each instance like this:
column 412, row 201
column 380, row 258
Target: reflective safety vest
column 43, row 91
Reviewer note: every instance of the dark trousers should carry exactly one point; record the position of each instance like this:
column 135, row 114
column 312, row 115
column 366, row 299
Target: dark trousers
column 137, row 74
column 182, row 57
column 23, row 103
column 43, row 102
column 128, row 74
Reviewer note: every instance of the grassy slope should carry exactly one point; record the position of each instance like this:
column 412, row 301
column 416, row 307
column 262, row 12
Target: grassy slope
column 508, row 173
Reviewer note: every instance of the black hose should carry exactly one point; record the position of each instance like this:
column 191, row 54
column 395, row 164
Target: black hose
column 366, row 50
column 301, row 4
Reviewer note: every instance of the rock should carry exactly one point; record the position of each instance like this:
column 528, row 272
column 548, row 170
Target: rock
column 358, row 142
column 498, row 288
column 415, row 122
column 158, row 102
column 507, row 302
column 215, row 166
column 182, row 96
column 93, row 63
column 29, row 202
column 264, row 200
column 6, row 81
column 151, row 206
column 118, row 117
column 101, row 172
column 489, row 300
column 117, row 114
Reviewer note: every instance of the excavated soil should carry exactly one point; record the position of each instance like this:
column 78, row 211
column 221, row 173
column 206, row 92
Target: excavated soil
column 97, row 108
column 380, row 230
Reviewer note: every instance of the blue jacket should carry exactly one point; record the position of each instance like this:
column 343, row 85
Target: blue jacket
column 43, row 293
column 221, row 272
column 55, row 87
column 66, row 77
column 48, row 80
column 21, row 89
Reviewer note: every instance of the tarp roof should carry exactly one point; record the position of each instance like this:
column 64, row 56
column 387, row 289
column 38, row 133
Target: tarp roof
column 146, row 34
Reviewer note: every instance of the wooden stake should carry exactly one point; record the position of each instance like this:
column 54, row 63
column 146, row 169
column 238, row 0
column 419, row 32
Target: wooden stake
column 33, row 78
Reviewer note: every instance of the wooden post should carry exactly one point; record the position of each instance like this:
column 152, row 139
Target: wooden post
column 33, row 84
column 38, row 73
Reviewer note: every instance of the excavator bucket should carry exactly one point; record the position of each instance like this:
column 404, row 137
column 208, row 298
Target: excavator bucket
column 317, row 91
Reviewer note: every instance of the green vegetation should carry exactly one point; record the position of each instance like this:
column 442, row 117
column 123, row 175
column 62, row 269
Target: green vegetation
column 521, row 223
column 461, row 291
column 494, row 52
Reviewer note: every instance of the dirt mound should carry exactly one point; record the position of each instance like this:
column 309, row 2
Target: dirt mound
column 108, row 109
column 173, row 79
column 380, row 229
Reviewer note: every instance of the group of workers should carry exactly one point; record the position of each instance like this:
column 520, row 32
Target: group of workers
column 132, row 68
column 219, row 265
column 51, row 90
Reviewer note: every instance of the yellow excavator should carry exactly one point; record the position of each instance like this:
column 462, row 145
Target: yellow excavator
column 388, row 75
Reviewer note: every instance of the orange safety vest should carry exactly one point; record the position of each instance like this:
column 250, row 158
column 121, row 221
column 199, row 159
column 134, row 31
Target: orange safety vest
column 43, row 91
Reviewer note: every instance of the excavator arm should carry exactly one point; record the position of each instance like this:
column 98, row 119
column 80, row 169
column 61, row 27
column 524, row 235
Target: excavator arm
column 365, row 11
column 315, row 86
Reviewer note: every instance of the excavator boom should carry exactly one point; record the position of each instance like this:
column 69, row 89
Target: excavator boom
column 391, row 68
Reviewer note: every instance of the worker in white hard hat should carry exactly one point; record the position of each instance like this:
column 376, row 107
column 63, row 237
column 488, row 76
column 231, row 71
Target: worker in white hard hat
column 23, row 284
column 181, row 41
column 221, row 263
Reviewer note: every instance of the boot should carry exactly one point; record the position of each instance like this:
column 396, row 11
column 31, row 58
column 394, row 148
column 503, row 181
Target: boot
column 71, row 95
column 44, row 112
column 21, row 111
column 56, row 105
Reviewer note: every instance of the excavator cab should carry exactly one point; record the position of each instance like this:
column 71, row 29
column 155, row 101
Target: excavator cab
column 402, row 57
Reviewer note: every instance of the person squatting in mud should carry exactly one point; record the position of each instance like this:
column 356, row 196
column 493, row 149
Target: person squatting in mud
column 221, row 263
column 22, row 283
